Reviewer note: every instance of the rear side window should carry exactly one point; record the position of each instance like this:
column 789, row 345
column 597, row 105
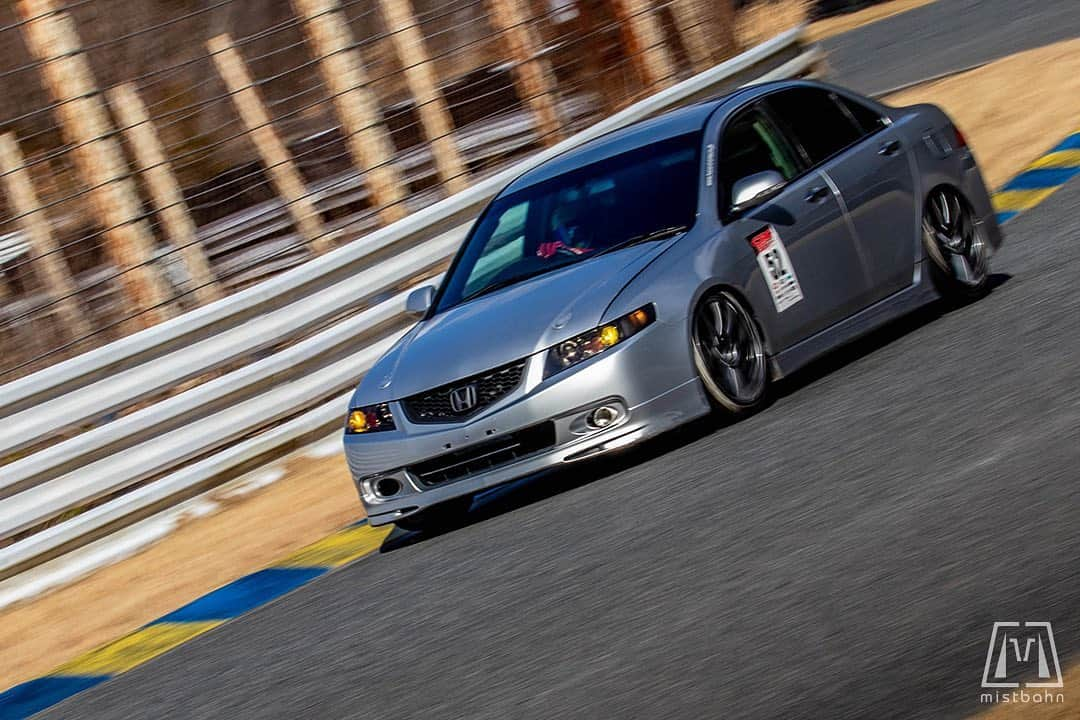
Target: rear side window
column 868, row 119
column 817, row 121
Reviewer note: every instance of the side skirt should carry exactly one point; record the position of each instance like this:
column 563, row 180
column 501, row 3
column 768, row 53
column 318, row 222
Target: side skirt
column 914, row 296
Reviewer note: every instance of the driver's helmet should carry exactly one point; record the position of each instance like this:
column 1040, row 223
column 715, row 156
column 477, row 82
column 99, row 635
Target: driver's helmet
column 569, row 226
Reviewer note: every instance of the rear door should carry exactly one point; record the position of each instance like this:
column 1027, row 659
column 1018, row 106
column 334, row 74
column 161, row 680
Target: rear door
column 808, row 274
column 865, row 159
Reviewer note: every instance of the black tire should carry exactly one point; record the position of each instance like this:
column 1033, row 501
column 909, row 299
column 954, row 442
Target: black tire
column 439, row 517
column 956, row 245
column 729, row 353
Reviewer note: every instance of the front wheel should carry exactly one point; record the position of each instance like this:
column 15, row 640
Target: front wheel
column 729, row 353
column 956, row 245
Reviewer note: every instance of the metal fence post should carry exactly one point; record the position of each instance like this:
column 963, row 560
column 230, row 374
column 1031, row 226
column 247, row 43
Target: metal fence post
column 690, row 22
column 49, row 261
column 275, row 156
column 164, row 189
column 343, row 72
column 535, row 78
column 420, row 76
column 52, row 38
column 645, row 41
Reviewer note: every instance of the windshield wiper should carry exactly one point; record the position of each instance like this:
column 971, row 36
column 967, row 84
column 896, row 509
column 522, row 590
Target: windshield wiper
column 660, row 234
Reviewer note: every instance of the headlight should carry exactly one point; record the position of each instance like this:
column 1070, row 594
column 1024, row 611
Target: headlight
column 369, row 419
column 579, row 349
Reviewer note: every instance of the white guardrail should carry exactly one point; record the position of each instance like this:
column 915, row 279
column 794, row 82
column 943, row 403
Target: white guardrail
column 285, row 362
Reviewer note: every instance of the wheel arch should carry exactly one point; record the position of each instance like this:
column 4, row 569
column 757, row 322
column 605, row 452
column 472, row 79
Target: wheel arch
column 722, row 397
column 714, row 285
column 943, row 184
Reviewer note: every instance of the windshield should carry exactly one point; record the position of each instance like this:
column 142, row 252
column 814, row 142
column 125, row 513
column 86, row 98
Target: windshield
column 650, row 192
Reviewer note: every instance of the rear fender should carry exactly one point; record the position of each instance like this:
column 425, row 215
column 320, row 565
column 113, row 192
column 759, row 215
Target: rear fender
column 939, row 160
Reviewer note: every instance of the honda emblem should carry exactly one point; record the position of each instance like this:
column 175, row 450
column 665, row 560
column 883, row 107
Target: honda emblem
column 463, row 399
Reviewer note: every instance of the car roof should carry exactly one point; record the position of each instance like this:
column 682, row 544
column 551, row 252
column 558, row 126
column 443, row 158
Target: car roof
column 681, row 121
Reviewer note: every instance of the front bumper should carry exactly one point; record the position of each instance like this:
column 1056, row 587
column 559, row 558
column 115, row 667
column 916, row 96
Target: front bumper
column 650, row 379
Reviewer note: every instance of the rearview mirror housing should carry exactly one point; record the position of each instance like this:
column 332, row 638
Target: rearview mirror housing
column 753, row 190
column 419, row 301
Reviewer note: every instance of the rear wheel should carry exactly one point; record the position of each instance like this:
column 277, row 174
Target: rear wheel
column 729, row 353
column 956, row 245
column 443, row 516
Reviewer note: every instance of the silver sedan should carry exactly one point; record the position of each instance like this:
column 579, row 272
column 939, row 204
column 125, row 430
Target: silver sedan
column 666, row 270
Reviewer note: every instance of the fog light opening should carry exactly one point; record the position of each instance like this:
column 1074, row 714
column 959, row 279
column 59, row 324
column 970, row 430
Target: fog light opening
column 602, row 417
column 386, row 487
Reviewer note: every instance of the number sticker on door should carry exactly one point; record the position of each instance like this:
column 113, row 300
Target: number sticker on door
column 776, row 268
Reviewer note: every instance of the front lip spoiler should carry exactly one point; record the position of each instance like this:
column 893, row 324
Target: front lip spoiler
column 619, row 442
column 616, row 443
column 623, row 440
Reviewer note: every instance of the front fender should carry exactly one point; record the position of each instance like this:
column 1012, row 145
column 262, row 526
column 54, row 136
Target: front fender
column 677, row 280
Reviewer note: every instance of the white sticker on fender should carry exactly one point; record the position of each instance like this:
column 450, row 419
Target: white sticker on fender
column 776, row 268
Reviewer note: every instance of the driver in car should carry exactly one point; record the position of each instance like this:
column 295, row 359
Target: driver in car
column 570, row 233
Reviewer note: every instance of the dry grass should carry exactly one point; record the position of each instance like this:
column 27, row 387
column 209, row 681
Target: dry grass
column 767, row 19
column 842, row 23
column 315, row 498
column 1012, row 110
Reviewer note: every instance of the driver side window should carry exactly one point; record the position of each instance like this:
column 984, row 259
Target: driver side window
column 752, row 144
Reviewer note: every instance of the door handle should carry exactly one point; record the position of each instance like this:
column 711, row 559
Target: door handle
column 889, row 148
column 816, row 193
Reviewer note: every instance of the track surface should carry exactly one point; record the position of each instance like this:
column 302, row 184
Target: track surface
column 842, row 554
column 945, row 36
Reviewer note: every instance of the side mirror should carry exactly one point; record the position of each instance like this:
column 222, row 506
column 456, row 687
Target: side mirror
column 753, row 190
column 419, row 301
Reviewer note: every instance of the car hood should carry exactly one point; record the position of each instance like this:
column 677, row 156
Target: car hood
column 504, row 326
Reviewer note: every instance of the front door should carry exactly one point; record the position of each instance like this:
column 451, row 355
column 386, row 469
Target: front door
column 809, row 274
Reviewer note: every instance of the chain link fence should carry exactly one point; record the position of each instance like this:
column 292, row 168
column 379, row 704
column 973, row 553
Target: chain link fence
column 157, row 155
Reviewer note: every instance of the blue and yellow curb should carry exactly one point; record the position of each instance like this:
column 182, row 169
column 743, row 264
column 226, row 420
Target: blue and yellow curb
column 1039, row 180
column 197, row 617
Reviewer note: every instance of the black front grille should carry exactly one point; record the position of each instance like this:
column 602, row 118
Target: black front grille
column 434, row 406
column 487, row 455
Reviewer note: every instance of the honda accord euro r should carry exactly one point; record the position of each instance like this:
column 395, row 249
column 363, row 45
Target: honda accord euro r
column 661, row 271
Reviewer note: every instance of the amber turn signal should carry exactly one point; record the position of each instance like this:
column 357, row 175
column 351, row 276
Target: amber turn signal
column 373, row 418
column 357, row 421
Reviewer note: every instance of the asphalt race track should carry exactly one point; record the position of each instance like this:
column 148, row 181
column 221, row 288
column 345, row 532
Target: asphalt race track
column 945, row 36
column 842, row 554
